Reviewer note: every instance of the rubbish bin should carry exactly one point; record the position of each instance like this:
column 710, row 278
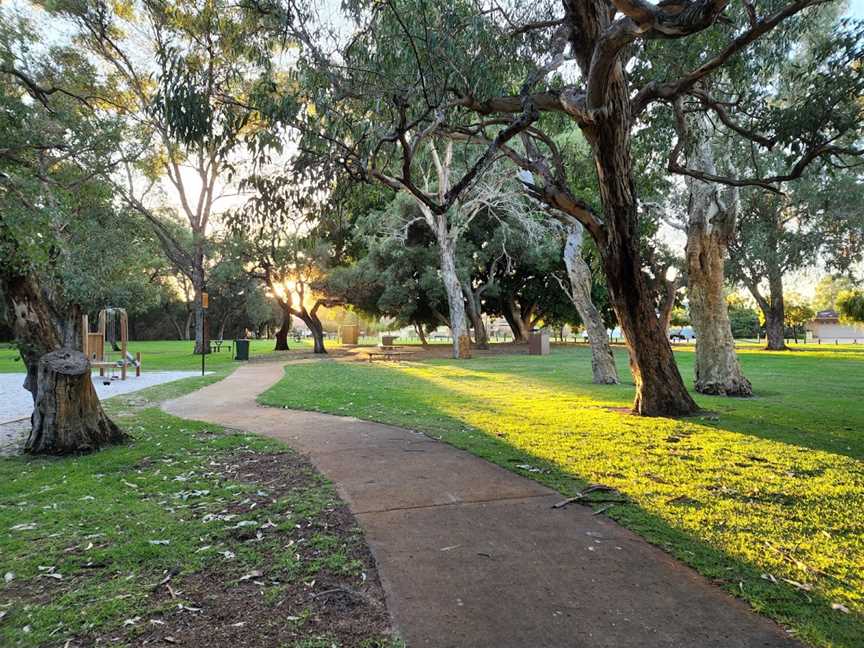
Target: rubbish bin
column 241, row 349
column 538, row 343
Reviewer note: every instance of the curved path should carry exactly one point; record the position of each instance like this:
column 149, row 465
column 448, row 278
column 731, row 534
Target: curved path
column 473, row 556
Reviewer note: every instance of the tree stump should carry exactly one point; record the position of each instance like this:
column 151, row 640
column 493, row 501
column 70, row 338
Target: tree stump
column 68, row 416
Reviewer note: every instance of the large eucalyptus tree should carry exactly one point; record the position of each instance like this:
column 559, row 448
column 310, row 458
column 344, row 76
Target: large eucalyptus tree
column 492, row 74
column 180, row 74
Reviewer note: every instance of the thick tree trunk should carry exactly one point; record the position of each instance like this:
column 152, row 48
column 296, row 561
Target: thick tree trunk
column 36, row 332
column 455, row 302
column 579, row 274
column 775, row 314
column 514, row 319
column 316, row 328
column 660, row 390
column 68, row 416
column 717, row 368
column 774, row 330
column 710, row 222
column 282, row 333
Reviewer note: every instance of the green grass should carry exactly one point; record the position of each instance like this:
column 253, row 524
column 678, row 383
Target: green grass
column 169, row 355
column 110, row 524
column 750, row 493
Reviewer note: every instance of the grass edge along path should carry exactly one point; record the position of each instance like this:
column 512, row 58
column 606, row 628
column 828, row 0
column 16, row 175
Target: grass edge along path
column 86, row 542
column 762, row 510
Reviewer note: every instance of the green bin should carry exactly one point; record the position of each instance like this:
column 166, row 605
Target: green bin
column 241, row 349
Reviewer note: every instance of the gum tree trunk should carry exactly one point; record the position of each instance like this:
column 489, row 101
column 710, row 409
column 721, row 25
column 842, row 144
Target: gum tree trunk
column 282, row 333
column 579, row 274
column 660, row 390
column 455, row 302
column 68, row 416
column 35, row 331
column 317, row 330
column 710, row 223
column 472, row 299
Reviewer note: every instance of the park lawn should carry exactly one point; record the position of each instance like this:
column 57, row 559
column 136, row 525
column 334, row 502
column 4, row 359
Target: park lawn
column 169, row 355
column 764, row 496
column 247, row 531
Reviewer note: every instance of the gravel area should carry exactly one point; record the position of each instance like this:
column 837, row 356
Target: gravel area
column 16, row 402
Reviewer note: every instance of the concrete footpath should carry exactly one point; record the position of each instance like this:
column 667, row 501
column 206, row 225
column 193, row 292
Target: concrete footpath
column 473, row 556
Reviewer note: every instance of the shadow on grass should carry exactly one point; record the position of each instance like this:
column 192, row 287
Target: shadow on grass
column 694, row 489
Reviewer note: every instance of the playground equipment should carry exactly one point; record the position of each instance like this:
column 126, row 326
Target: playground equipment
column 112, row 326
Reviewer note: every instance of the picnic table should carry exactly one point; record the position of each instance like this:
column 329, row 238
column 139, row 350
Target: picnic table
column 218, row 344
column 386, row 353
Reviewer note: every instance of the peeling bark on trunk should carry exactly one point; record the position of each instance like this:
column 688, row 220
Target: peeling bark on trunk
column 710, row 223
column 455, row 303
column 68, row 416
column 35, row 331
column 513, row 315
column 717, row 368
column 579, row 274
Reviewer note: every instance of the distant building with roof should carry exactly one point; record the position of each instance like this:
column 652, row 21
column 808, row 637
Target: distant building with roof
column 827, row 327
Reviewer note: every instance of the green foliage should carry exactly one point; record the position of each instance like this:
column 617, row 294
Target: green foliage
column 828, row 289
column 851, row 305
column 744, row 319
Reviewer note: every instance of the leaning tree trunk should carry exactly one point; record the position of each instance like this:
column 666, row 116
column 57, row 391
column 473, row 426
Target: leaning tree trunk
column 579, row 274
column 316, row 328
column 455, row 302
column 710, row 223
column 68, row 416
column 421, row 333
column 514, row 319
column 282, row 333
column 660, row 390
column 481, row 337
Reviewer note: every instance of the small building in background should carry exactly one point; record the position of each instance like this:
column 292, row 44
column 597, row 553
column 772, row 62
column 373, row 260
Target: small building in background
column 827, row 327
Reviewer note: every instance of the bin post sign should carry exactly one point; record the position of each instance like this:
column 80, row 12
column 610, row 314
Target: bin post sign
column 205, row 302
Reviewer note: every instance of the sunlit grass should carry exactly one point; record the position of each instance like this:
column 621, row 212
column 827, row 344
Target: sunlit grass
column 750, row 493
